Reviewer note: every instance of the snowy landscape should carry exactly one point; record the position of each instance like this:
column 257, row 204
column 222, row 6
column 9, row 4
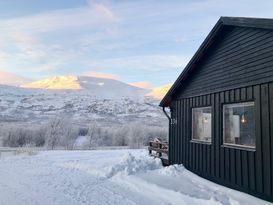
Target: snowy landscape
column 109, row 111
column 42, row 125
column 100, row 98
column 103, row 177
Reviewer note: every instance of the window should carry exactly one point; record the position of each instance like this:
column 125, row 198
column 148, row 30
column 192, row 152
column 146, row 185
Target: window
column 201, row 124
column 239, row 124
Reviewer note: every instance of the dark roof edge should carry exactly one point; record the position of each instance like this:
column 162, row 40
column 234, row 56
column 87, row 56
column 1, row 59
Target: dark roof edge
column 229, row 21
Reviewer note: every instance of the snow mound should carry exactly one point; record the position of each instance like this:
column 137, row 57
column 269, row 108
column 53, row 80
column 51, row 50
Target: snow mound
column 130, row 165
column 172, row 171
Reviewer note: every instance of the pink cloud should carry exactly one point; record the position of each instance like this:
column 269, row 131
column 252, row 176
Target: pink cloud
column 142, row 84
column 101, row 75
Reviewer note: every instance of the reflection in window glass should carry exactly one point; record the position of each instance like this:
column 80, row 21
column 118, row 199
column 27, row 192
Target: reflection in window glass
column 201, row 124
column 239, row 124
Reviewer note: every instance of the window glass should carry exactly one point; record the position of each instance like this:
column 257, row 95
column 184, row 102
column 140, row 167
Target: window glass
column 239, row 124
column 201, row 124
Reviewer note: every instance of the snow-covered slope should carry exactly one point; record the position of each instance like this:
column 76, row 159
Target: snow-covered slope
column 7, row 78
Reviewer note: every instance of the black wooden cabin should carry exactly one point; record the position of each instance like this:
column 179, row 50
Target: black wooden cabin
column 221, row 125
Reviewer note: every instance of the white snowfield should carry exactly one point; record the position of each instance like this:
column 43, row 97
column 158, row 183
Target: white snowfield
column 106, row 177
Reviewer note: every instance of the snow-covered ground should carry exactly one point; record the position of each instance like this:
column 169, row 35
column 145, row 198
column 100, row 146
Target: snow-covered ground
column 106, row 177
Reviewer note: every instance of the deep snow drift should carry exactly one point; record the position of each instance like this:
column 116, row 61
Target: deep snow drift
column 106, row 177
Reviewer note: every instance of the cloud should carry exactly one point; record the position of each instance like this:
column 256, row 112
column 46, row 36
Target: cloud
column 48, row 41
column 142, row 84
column 95, row 15
column 143, row 62
column 100, row 75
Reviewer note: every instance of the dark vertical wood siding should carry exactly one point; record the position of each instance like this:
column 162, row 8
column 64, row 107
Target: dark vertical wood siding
column 247, row 170
column 239, row 57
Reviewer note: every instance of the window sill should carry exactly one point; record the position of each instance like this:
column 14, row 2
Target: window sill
column 200, row 142
column 242, row 147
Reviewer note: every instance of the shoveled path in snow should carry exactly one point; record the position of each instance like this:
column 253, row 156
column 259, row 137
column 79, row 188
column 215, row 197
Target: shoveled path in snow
column 106, row 177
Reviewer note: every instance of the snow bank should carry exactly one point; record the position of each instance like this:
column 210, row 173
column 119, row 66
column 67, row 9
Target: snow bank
column 131, row 165
column 172, row 171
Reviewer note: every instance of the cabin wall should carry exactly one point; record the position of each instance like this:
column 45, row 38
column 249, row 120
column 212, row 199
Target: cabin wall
column 248, row 171
column 238, row 57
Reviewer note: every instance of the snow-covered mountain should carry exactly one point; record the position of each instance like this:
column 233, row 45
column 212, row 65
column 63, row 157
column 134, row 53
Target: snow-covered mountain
column 81, row 99
column 7, row 78
column 96, row 87
column 159, row 92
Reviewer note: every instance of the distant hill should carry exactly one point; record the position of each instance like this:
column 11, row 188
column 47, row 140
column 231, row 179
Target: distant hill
column 7, row 78
column 97, row 87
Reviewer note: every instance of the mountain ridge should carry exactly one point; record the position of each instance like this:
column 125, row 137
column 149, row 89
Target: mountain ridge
column 11, row 79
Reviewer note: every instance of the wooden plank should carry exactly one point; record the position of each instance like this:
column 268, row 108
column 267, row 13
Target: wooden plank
column 252, row 170
column 207, row 148
column 265, row 138
column 238, row 160
column 258, row 154
column 190, row 135
column 208, row 154
column 179, row 139
column 245, row 169
column 227, row 165
column 171, row 143
column 194, row 103
column 217, row 134
column 243, row 94
column 271, row 130
column 232, row 95
column 177, row 133
column 196, row 147
column 208, row 100
column 204, row 158
column 232, row 166
column 224, row 98
column 237, row 95
column 186, row 128
column 249, row 92
column 212, row 168
column 183, row 128
column 173, row 137
column 201, row 168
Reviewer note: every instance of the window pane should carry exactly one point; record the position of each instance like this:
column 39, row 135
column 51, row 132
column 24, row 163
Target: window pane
column 239, row 125
column 201, row 124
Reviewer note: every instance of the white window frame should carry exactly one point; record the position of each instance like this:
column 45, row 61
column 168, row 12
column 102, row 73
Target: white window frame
column 199, row 140
column 238, row 104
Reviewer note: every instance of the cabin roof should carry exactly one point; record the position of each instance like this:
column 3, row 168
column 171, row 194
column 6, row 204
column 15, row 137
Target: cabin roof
column 223, row 21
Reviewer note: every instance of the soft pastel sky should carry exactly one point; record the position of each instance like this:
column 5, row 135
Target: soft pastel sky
column 143, row 40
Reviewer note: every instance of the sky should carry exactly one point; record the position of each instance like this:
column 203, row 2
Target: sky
column 144, row 42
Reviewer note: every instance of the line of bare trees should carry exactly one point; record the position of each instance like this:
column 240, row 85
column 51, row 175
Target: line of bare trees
column 61, row 133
